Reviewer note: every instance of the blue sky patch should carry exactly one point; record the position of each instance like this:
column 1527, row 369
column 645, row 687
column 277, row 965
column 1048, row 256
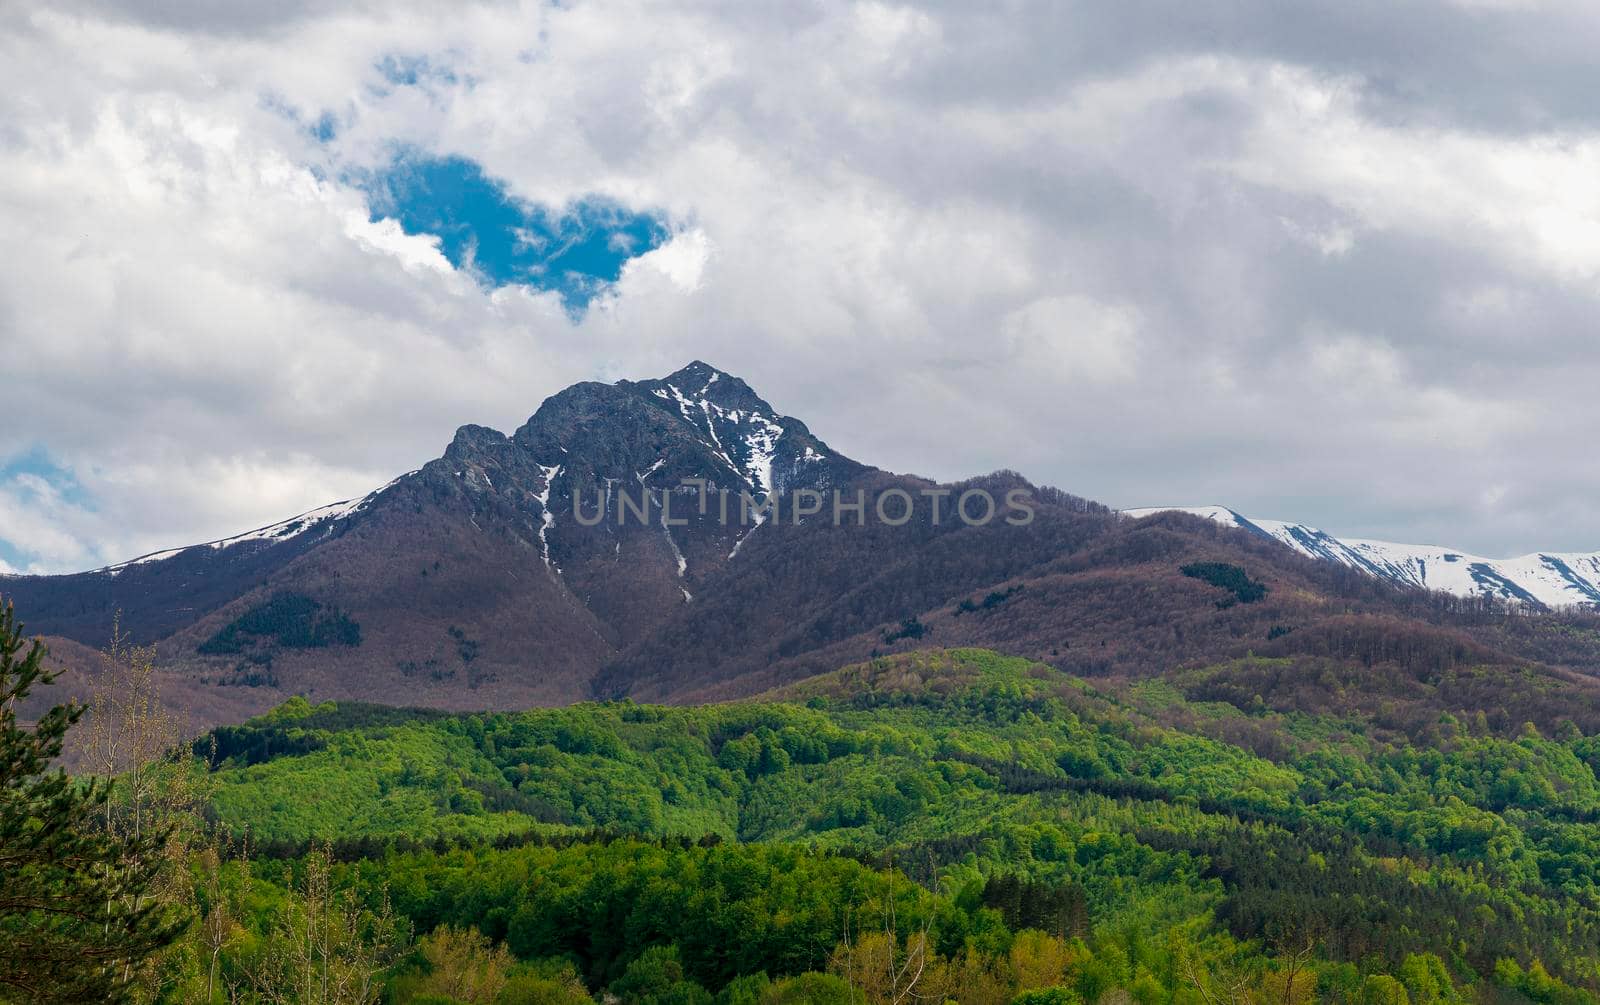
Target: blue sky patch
column 325, row 128
column 40, row 464
column 12, row 556
column 410, row 71
column 503, row 240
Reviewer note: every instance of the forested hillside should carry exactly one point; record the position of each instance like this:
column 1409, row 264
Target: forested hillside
column 1198, row 839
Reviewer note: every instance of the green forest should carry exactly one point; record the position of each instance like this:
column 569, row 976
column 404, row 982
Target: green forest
column 942, row 825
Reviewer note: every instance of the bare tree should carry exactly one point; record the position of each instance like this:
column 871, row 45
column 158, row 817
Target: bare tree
column 1296, row 949
column 464, row 965
column 157, row 792
column 222, row 903
column 1232, row 990
column 885, row 969
column 326, row 949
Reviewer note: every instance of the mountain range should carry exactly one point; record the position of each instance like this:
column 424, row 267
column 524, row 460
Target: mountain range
column 624, row 543
column 1545, row 579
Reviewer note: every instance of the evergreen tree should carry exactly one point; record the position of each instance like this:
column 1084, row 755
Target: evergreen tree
column 67, row 932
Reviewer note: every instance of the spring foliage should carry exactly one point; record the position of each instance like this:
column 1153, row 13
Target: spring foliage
column 935, row 826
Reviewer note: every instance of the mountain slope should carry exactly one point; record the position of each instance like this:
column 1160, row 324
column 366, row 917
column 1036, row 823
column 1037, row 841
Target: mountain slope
column 505, row 572
column 680, row 540
column 1546, row 580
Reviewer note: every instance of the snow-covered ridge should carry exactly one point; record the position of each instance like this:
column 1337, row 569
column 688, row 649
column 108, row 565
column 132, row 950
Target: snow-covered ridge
column 1547, row 579
column 324, row 517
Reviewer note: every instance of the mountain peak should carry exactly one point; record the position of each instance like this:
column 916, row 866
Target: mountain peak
column 697, row 369
column 699, row 386
column 699, row 381
column 473, row 437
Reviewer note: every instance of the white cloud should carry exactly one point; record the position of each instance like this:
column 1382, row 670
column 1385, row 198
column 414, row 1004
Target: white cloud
column 1073, row 339
column 681, row 261
column 34, row 512
column 1527, row 199
column 417, row 252
column 1332, row 241
column 1356, row 363
column 979, row 213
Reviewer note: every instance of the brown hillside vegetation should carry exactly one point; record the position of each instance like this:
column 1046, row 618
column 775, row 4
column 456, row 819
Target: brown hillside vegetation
column 471, row 584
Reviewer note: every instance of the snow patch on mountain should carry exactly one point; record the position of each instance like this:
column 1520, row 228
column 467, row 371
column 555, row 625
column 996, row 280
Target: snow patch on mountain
column 1544, row 579
column 761, row 444
column 666, row 529
column 546, row 518
column 739, row 433
column 761, row 516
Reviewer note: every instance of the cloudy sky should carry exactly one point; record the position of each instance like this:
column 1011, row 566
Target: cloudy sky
column 1339, row 267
